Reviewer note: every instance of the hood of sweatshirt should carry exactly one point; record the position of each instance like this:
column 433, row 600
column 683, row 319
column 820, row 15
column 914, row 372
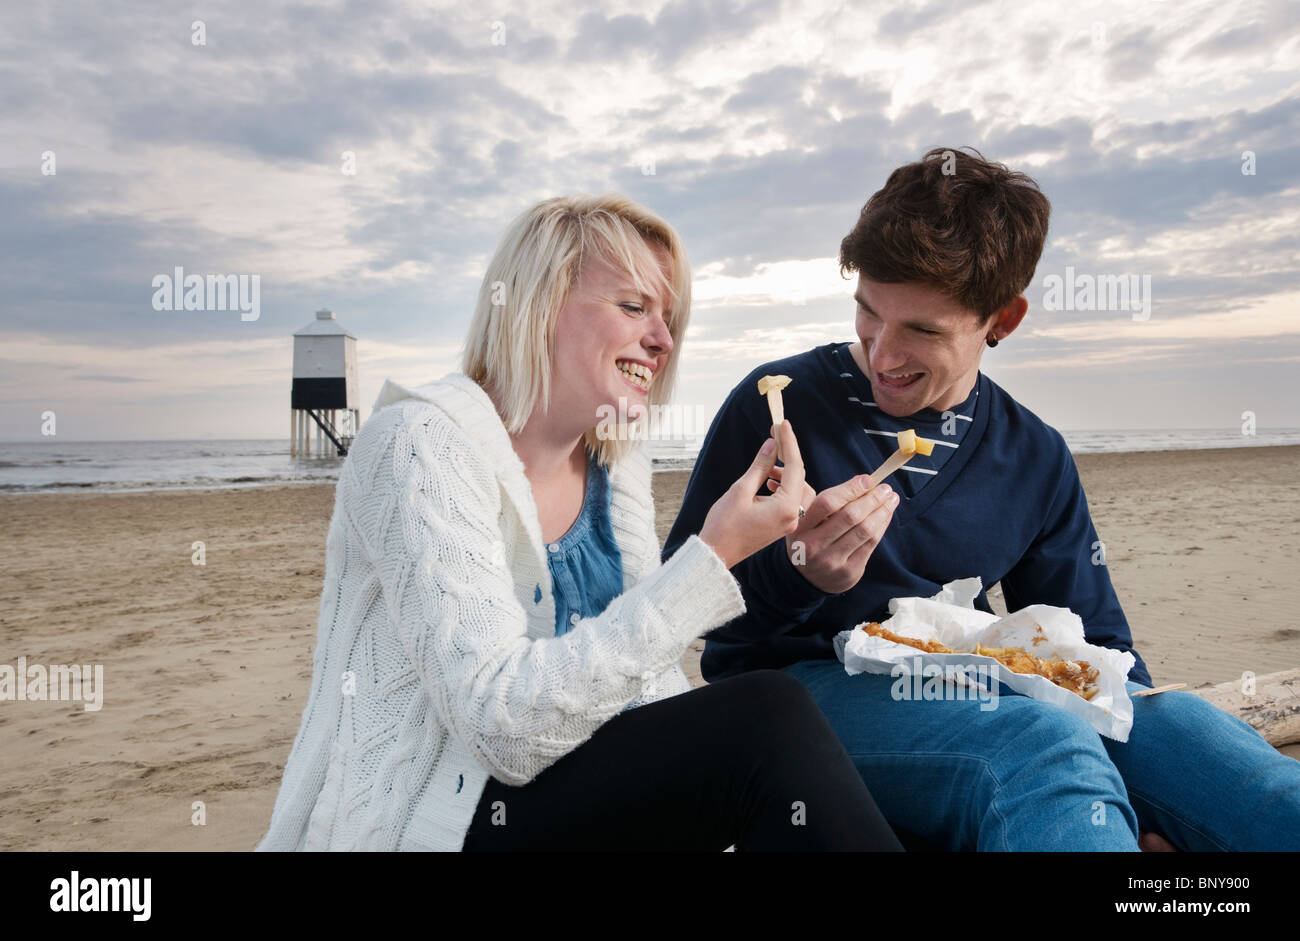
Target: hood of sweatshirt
column 466, row 403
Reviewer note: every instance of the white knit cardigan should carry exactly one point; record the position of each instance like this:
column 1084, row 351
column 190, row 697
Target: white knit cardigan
column 436, row 662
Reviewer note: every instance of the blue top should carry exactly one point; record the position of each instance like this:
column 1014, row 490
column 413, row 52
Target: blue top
column 586, row 565
column 1006, row 505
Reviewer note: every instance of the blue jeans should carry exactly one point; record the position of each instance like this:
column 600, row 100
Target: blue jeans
column 1028, row 775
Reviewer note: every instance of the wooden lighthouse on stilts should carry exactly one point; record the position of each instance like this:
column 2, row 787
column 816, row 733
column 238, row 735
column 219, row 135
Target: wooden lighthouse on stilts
column 324, row 402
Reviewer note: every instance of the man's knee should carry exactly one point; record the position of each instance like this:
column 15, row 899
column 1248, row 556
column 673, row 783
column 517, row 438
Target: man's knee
column 1045, row 737
column 1057, row 757
column 1055, row 771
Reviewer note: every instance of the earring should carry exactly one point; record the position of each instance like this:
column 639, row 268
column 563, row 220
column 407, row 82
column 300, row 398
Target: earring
column 991, row 340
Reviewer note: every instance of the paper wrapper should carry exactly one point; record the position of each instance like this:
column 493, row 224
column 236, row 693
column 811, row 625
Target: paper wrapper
column 951, row 618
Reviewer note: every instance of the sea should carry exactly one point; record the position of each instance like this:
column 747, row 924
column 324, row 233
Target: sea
column 121, row 466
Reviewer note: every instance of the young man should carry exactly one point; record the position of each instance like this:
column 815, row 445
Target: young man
column 944, row 254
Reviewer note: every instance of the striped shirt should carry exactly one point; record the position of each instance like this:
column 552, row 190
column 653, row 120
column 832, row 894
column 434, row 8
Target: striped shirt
column 946, row 429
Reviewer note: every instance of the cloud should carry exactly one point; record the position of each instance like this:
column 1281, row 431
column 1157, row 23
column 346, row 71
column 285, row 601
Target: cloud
column 761, row 344
column 1133, row 56
column 768, row 124
column 905, row 20
column 776, row 284
column 1261, row 38
column 760, row 91
column 679, row 29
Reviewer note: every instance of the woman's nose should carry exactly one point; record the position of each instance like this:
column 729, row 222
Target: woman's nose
column 659, row 339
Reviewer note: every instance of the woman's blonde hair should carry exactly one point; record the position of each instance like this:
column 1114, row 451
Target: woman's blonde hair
column 537, row 264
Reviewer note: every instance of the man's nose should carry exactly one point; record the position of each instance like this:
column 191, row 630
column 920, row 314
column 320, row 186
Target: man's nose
column 887, row 351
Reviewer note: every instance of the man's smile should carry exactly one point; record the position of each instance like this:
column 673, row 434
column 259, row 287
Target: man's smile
column 899, row 380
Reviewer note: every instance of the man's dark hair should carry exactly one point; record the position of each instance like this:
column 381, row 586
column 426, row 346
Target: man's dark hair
column 969, row 227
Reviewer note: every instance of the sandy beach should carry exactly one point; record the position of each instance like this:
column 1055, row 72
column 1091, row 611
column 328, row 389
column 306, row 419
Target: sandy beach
column 206, row 667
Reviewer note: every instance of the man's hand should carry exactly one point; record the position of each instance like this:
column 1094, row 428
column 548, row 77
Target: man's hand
column 841, row 528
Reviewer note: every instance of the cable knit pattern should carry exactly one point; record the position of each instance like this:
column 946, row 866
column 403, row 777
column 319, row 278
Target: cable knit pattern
column 437, row 605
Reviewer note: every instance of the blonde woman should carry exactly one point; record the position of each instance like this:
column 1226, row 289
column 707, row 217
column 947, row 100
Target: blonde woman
column 497, row 662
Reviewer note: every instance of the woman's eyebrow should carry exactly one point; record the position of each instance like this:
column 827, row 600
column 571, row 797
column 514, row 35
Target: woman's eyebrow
column 628, row 287
column 629, row 293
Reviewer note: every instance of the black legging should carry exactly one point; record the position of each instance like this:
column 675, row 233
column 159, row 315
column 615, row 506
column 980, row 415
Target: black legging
column 749, row 761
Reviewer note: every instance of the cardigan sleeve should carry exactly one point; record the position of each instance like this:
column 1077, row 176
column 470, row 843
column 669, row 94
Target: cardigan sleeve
column 517, row 703
column 642, row 497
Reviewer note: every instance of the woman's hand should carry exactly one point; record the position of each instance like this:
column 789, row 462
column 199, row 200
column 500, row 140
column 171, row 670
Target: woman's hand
column 742, row 522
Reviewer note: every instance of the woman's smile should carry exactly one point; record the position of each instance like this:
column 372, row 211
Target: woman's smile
column 636, row 373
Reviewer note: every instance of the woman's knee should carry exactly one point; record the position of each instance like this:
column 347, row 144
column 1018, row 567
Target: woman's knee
column 776, row 692
column 782, row 713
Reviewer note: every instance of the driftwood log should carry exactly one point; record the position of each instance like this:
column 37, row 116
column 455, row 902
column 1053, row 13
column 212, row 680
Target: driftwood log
column 1273, row 711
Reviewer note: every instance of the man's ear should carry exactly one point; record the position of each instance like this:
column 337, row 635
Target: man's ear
column 1003, row 323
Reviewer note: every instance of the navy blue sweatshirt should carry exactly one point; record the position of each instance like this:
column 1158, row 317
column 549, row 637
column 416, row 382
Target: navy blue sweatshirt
column 1006, row 504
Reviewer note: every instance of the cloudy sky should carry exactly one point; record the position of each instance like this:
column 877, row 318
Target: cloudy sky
column 757, row 128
